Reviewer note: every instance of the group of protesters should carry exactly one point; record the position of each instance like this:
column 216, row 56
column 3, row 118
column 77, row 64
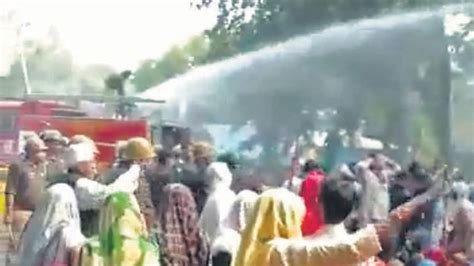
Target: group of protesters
column 178, row 207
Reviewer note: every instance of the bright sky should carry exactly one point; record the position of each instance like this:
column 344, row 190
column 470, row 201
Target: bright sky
column 119, row 33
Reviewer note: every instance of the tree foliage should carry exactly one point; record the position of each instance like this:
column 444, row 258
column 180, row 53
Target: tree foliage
column 244, row 25
column 174, row 62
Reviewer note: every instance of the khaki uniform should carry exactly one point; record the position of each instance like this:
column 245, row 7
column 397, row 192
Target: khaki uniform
column 26, row 182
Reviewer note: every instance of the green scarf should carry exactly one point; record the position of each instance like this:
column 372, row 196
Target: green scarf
column 110, row 241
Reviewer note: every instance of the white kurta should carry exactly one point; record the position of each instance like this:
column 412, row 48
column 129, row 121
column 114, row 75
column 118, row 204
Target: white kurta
column 215, row 211
column 91, row 194
column 219, row 202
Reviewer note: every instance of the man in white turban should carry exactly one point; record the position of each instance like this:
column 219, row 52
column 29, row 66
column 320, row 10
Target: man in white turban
column 82, row 172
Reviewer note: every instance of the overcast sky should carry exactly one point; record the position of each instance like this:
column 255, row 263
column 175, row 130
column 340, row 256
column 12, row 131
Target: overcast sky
column 119, row 33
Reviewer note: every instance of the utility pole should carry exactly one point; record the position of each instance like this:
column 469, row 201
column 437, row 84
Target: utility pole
column 24, row 65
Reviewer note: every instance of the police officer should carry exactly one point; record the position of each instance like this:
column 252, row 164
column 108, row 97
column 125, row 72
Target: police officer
column 202, row 156
column 25, row 182
column 54, row 140
column 139, row 151
column 91, row 195
column 119, row 166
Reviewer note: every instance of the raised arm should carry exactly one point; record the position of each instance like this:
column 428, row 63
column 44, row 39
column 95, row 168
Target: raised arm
column 362, row 170
column 357, row 249
column 92, row 194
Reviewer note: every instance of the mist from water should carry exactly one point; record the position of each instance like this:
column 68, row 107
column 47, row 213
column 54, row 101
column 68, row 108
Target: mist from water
column 395, row 65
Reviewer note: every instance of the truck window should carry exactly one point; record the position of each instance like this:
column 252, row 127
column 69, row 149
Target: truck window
column 68, row 113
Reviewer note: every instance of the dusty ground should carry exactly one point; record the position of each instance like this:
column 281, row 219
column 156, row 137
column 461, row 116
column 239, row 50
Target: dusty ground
column 3, row 243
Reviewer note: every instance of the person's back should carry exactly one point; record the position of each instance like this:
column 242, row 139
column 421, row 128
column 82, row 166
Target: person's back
column 145, row 200
column 338, row 199
column 220, row 200
column 310, row 193
column 273, row 237
column 226, row 244
column 122, row 234
column 53, row 235
column 189, row 176
column 158, row 180
column 469, row 212
column 397, row 191
column 278, row 214
column 180, row 239
column 463, row 226
column 358, row 248
column 375, row 202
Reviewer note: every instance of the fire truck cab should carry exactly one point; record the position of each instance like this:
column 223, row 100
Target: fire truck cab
column 20, row 118
column 11, row 114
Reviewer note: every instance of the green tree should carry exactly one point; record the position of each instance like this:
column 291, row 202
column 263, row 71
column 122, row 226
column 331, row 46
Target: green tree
column 244, row 25
column 175, row 61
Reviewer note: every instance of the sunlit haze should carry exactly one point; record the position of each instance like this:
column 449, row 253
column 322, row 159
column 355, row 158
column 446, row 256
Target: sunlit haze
column 117, row 33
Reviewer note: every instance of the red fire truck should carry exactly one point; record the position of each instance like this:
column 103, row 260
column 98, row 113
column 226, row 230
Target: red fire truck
column 22, row 116
column 19, row 118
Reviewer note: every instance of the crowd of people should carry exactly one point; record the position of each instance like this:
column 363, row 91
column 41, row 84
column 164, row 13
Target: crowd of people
column 178, row 207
